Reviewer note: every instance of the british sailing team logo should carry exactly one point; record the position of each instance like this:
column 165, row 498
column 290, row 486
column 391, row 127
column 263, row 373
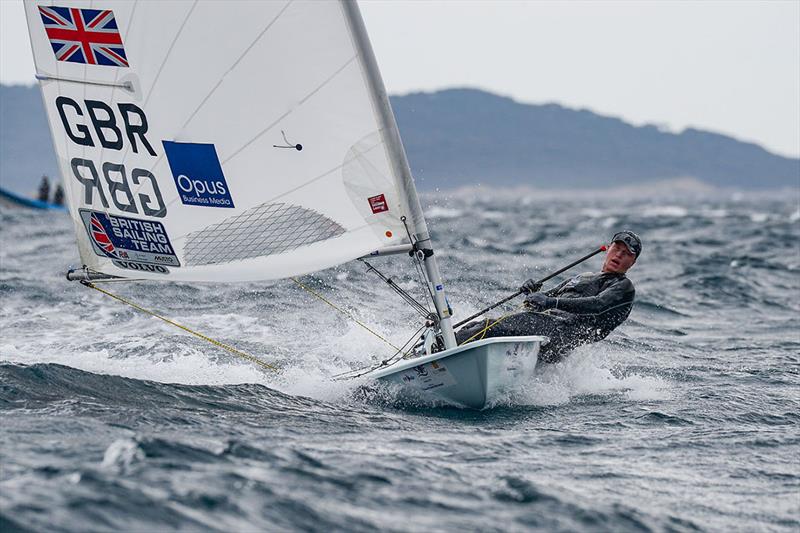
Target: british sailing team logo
column 130, row 243
column 88, row 36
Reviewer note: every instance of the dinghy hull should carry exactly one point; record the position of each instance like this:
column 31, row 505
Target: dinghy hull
column 474, row 375
column 10, row 199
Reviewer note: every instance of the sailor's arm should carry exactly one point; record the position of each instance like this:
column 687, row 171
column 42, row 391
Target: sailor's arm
column 555, row 290
column 618, row 294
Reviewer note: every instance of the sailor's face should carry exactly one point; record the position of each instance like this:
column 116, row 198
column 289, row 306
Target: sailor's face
column 618, row 259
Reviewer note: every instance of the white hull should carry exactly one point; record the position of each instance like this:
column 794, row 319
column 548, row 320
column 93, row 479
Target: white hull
column 473, row 375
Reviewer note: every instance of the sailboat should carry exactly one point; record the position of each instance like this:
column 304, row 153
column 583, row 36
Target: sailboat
column 11, row 199
column 210, row 141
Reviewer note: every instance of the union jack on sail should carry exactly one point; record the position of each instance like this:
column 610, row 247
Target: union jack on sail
column 101, row 238
column 88, row 36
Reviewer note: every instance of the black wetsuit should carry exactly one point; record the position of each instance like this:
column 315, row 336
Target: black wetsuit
column 587, row 308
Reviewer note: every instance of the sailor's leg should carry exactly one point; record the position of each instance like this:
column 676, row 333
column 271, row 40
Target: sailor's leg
column 473, row 331
column 519, row 324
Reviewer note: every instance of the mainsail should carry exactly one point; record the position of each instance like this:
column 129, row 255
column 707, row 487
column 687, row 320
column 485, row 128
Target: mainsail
column 224, row 141
column 216, row 141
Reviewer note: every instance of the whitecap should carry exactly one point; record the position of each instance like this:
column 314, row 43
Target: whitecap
column 442, row 212
column 609, row 222
column 590, row 371
column 666, row 211
column 592, row 212
column 121, row 454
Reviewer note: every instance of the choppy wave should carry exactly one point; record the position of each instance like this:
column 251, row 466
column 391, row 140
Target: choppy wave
column 112, row 420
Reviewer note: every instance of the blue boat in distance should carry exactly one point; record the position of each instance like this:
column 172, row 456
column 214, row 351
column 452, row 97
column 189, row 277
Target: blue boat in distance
column 11, row 199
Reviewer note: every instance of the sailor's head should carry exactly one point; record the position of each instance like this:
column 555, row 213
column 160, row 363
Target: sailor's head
column 622, row 253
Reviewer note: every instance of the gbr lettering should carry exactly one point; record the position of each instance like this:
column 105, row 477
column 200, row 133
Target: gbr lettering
column 111, row 129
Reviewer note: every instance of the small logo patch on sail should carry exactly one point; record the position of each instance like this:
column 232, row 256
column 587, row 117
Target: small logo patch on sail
column 129, row 239
column 378, row 204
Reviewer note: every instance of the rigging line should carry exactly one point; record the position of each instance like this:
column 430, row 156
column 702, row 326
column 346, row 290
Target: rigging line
column 287, row 113
column 361, row 371
column 348, row 315
column 197, row 334
column 418, row 266
column 233, row 66
column 410, row 300
column 350, row 374
column 169, row 52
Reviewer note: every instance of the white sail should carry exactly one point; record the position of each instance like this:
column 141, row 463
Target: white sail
column 216, row 141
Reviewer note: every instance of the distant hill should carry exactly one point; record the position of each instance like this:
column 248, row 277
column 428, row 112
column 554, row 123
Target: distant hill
column 460, row 137
column 463, row 136
column 26, row 149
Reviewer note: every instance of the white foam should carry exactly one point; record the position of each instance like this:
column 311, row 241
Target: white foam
column 592, row 212
column 442, row 212
column 666, row 211
column 493, row 215
column 609, row 222
column 715, row 213
column 121, row 454
column 588, row 371
column 192, row 367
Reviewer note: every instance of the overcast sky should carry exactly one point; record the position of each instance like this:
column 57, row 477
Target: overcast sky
column 730, row 67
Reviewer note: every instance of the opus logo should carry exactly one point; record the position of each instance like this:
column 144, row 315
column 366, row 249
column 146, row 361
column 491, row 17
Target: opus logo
column 198, row 174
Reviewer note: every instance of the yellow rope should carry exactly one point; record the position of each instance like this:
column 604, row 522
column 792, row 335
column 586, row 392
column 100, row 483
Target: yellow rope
column 482, row 332
column 345, row 313
column 217, row 343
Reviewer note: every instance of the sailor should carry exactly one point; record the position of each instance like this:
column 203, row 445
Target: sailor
column 58, row 196
column 44, row 189
column 581, row 310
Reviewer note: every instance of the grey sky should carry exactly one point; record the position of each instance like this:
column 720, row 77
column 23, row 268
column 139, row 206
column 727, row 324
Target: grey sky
column 731, row 67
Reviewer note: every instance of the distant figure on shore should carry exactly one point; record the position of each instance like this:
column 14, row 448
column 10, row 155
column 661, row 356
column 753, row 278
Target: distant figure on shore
column 58, row 196
column 44, row 190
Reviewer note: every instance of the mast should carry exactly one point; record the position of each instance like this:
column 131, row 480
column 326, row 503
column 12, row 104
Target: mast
column 399, row 162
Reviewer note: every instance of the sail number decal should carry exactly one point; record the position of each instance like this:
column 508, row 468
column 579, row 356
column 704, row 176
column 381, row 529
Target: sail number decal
column 109, row 124
column 131, row 243
column 195, row 167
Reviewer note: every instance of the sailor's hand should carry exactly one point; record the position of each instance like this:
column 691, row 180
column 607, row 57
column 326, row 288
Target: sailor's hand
column 531, row 286
column 539, row 302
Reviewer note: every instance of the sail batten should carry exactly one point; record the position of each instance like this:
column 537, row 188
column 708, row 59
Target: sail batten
column 259, row 155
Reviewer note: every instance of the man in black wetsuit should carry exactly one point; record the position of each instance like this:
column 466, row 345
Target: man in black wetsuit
column 581, row 310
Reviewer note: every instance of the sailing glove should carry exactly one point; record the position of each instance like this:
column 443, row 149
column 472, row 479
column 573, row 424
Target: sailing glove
column 539, row 302
column 531, row 286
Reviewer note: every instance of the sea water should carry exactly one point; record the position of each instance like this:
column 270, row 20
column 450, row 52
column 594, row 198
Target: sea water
column 686, row 418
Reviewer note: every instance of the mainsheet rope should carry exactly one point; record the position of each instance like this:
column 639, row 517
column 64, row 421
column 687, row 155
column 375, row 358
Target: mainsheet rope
column 345, row 313
column 197, row 334
column 239, row 353
column 489, row 325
